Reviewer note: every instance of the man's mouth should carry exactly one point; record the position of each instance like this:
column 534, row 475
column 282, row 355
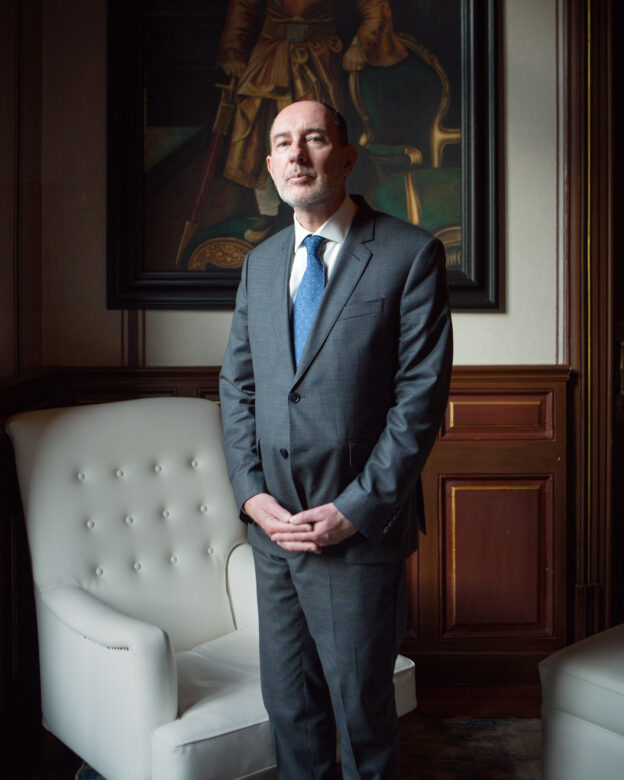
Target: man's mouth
column 299, row 176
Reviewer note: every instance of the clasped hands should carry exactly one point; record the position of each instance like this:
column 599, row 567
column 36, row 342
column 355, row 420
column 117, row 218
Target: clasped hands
column 307, row 531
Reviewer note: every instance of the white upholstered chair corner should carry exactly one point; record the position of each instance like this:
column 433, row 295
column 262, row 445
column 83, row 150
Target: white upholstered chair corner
column 583, row 709
column 145, row 592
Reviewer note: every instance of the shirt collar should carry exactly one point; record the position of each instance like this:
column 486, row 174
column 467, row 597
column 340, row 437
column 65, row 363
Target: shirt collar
column 335, row 228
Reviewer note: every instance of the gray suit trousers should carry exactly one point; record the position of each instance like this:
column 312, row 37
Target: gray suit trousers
column 329, row 636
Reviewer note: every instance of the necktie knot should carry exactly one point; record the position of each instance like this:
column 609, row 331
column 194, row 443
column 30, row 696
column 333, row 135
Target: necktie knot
column 313, row 245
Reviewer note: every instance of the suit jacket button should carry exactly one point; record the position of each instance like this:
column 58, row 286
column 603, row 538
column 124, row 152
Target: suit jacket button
column 284, row 453
column 294, row 398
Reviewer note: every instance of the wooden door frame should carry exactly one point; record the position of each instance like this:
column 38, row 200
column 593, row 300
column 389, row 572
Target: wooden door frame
column 589, row 217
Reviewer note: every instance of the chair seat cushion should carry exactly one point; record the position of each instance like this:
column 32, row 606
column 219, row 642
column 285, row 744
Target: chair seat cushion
column 223, row 726
column 587, row 680
column 404, row 685
column 223, row 729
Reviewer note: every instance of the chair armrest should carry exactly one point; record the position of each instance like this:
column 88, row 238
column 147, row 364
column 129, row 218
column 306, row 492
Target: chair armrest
column 396, row 152
column 82, row 612
column 241, row 585
column 106, row 679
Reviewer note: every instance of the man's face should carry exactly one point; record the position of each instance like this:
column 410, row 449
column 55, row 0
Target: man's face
column 307, row 163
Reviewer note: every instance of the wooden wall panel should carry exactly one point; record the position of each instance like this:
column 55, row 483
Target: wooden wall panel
column 499, row 416
column 488, row 584
column 496, row 537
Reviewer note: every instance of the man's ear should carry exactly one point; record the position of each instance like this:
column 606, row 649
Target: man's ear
column 268, row 163
column 350, row 158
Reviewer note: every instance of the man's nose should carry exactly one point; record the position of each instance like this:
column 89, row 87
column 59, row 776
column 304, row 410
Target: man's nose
column 297, row 151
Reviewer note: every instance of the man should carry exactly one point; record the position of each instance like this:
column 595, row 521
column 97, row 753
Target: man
column 326, row 433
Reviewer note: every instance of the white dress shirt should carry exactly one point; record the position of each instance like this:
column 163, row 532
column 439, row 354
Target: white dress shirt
column 335, row 231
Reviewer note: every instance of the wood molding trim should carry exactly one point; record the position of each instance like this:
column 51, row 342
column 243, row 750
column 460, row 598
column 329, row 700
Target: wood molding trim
column 589, row 210
column 20, row 231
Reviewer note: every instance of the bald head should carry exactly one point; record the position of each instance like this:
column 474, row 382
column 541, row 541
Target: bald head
column 340, row 123
column 309, row 160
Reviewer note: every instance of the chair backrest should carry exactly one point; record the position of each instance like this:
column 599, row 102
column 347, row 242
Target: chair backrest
column 379, row 93
column 131, row 501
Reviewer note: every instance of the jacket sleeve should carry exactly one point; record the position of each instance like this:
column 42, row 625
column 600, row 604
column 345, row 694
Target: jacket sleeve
column 237, row 394
column 238, row 32
column 373, row 500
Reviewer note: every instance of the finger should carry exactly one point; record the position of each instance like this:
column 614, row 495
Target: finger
column 276, row 513
column 287, row 529
column 280, row 514
column 304, row 518
column 305, row 532
column 294, row 536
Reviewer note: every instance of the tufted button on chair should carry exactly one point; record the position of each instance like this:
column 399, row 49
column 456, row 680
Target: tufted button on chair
column 145, row 592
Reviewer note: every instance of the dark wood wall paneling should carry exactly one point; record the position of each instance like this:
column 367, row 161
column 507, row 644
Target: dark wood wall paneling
column 591, row 130
column 487, row 587
column 488, row 595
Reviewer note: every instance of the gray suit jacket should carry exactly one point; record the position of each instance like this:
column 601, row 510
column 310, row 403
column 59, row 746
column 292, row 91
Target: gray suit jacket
column 355, row 422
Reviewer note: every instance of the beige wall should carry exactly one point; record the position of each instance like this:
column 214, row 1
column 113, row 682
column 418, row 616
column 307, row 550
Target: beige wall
column 532, row 330
column 78, row 330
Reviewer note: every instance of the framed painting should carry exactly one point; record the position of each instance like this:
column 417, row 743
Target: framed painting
column 193, row 87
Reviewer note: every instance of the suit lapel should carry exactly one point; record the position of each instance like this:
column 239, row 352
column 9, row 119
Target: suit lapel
column 350, row 265
column 280, row 298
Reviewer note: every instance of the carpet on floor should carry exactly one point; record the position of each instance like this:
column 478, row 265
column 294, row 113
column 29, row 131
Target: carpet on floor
column 458, row 749
column 470, row 748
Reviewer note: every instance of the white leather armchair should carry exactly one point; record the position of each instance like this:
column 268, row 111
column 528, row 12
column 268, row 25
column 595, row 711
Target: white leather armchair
column 583, row 709
column 145, row 592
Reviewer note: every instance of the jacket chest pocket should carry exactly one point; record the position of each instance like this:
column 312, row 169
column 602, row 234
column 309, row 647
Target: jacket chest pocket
column 361, row 309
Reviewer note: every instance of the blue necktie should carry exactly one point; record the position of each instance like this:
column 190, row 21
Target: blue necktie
column 308, row 295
